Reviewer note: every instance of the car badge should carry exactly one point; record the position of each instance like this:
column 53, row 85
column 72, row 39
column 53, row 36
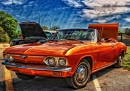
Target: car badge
column 23, row 56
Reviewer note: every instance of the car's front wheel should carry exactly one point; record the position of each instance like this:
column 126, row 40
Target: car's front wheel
column 81, row 75
column 119, row 62
column 24, row 77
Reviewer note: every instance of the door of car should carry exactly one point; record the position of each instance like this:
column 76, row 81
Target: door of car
column 106, row 53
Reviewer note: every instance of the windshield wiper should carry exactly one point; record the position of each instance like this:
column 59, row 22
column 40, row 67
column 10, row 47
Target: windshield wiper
column 71, row 39
column 52, row 40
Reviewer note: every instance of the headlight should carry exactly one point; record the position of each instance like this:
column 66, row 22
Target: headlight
column 11, row 59
column 51, row 61
column 62, row 62
column 6, row 57
column 55, row 61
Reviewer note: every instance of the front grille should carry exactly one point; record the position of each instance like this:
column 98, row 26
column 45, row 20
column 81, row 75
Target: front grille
column 29, row 59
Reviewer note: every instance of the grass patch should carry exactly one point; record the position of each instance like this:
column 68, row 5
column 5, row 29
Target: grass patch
column 126, row 63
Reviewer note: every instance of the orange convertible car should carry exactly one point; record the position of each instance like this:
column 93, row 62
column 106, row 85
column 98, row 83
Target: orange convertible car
column 73, row 54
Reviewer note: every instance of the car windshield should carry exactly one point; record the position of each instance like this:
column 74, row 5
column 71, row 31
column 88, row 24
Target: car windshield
column 75, row 34
column 33, row 37
column 48, row 34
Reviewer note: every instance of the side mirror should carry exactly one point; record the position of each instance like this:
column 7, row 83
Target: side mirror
column 99, row 41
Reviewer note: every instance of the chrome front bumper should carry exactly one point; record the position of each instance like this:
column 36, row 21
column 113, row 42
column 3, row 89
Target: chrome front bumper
column 36, row 67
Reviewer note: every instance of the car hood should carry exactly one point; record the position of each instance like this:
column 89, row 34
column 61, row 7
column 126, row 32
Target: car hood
column 50, row 48
column 31, row 29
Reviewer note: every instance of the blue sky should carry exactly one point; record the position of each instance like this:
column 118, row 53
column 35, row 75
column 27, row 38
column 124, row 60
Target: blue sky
column 69, row 13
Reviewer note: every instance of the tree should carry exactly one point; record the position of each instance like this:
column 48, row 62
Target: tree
column 3, row 36
column 120, row 31
column 44, row 27
column 9, row 24
column 54, row 28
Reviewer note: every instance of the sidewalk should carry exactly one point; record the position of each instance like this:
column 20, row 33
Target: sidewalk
column 2, row 47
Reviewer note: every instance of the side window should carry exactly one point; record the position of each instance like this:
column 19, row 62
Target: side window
column 90, row 35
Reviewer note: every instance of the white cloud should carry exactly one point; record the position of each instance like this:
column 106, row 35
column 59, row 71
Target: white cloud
column 127, row 19
column 103, row 11
column 100, row 21
column 125, row 27
column 8, row 2
column 100, row 8
column 73, row 3
column 103, row 7
column 105, row 2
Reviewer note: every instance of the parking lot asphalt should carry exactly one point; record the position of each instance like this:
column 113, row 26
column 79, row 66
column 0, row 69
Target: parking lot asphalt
column 114, row 79
column 109, row 79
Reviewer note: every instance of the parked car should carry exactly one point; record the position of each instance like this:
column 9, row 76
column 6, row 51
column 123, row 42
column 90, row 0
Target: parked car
column 73, row 54
column 32, row 33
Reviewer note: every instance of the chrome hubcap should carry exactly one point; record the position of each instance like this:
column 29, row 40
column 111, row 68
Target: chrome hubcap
column 81, row 73
column 120, row 60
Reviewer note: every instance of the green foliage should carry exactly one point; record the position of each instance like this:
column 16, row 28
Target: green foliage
column 3, row 36
column 19, row 33
column 44, row 27
column 54, row 28
column 126, row 63
column 9, row 25
column 120, row 31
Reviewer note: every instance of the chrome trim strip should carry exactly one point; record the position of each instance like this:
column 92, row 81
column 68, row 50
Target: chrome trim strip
column 28, row 56
column 103, row 67
column 35, row 68
column 37, row 56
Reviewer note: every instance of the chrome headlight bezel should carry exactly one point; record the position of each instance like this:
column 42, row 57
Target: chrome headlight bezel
column 11, row 59
column 8, row 58
column 62, row 62
column 59, row 61
column 51, row 61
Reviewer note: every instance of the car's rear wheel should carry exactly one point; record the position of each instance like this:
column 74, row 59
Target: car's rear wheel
column 24, row 77
column 81, row 75
column 119, row 62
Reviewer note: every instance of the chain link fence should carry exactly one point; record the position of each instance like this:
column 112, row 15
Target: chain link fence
column 122, row 37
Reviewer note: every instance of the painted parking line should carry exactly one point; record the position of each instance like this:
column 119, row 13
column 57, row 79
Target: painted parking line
column 8, row 80
column 96, row 83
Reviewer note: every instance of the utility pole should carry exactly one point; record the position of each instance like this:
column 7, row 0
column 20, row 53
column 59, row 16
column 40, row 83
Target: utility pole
column 51, row 24
column 40, row 18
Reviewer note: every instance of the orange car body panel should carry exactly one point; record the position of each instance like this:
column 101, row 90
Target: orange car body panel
column 102, row 54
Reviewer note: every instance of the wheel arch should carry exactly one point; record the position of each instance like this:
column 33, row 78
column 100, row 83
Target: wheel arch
column 122, row 53
column 90, row 60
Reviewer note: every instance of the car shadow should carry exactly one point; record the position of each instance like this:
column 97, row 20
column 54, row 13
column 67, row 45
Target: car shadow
column 50, row 83
column 41, row 84
column 45, row 84
column 104, row 71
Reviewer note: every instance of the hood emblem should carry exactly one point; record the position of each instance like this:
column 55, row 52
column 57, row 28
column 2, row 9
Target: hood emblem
column 23, row 56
